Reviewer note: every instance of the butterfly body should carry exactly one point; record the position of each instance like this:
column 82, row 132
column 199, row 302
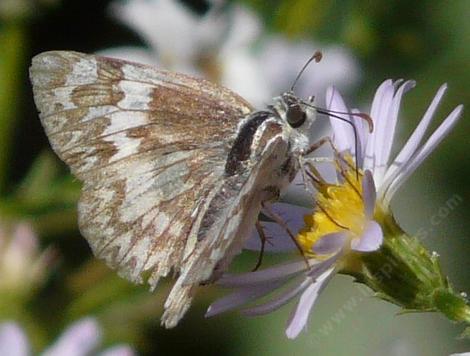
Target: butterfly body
column 174, row 168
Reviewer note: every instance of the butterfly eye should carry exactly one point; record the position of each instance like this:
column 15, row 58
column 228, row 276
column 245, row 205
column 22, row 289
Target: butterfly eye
column 295, row 116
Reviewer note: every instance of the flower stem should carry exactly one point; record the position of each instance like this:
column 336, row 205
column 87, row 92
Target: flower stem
column 405, row 273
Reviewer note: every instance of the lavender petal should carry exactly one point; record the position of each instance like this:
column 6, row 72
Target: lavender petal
column 278, row 301
column 371, row 239
column 240, row 297
column 386, row 137
column 277, row 238
column 315, row 272
column 300, row 315
column 416, row 137
column 362, row 136
column 263, row 276
column 368, row 194
column 382, row 97
column 441, row 132
column 343, row 134
column 330, row 243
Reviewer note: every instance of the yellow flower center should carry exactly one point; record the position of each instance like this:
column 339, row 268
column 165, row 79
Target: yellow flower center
column 339, row 207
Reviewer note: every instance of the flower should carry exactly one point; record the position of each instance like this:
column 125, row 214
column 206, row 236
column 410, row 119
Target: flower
column 375, row 148
column 228, row 45
column 351, row 229
column 80, row 339
column 23, row 266
column 330, row 234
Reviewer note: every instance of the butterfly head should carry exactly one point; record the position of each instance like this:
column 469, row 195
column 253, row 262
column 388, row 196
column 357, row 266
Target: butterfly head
column 294, row 111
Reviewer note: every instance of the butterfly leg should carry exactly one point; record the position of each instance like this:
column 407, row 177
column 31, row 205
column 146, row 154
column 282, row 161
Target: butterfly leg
column 315, row 146
column 263, row 239
column 278, row 220
column 338, row 156
column 310, row 161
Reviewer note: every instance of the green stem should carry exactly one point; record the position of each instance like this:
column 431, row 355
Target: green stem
column 405, row 273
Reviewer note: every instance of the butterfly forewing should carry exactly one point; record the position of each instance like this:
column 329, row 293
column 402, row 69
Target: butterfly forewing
column 149, row 145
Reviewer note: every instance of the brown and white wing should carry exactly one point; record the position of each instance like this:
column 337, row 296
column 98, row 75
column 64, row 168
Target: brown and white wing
column 149, row 146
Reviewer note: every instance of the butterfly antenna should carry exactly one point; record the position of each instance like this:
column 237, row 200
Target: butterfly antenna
column 332, row 113
column 317, row 56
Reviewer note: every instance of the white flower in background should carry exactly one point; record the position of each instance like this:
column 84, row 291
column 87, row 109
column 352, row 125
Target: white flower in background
column 23, row 266
column 227, row 45
column 281, row 60
column 349, row 212
column 80, row 339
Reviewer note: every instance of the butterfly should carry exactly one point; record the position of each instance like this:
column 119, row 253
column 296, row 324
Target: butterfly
column 175, row 169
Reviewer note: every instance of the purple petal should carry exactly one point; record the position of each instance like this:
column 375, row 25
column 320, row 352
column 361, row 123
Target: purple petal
column 343, row 134
column 371, row 239
column 277, row 302
column 262, row 276
column 278, row 240
column 293, row 215
column 362, row 129
column 300, row 315
column 80, row 339
column 436, row 138
column 368, row 194
column 382, row 112
column 240, row 297
column 315, row 271
column 13, row 341
column 384, row 141
column 415, row 139
column 330, row 243
column 382, row 98
column 397, row 83
column 318, row 269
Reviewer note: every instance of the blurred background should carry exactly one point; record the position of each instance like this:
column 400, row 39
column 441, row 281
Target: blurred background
column 49, row 279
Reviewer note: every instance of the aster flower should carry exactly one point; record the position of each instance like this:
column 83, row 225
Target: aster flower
column 352, row 229
column 228, row 45
column 326, row 249
column 79, row 339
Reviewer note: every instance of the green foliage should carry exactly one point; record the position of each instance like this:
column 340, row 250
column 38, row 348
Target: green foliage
column 12, row 56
